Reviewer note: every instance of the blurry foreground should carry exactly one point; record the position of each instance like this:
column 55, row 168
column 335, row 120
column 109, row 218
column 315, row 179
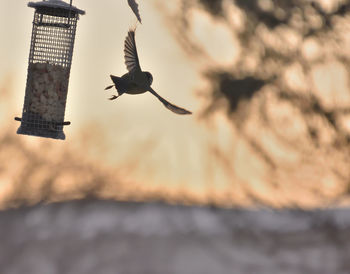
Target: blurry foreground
column 108, row 238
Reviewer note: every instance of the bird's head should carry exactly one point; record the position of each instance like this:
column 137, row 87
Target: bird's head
column 149, row 77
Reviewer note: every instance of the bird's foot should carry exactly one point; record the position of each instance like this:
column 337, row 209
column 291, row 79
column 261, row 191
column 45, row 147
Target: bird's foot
column 113, row 97
column 109, row 87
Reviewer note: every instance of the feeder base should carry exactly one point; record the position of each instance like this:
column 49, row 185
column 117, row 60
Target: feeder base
column 32, row 124
column 24, row 130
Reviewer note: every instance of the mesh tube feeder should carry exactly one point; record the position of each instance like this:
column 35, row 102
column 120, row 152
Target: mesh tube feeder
column 50, row 59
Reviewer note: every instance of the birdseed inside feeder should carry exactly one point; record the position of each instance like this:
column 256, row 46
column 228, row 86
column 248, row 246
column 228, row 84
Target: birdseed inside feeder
column 50, row 59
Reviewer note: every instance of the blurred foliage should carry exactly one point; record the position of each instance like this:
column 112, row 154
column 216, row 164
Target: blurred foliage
column 287, row 93
column 40, row 171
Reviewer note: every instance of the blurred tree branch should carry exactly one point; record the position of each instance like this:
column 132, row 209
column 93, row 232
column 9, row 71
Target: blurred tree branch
column 277, row 36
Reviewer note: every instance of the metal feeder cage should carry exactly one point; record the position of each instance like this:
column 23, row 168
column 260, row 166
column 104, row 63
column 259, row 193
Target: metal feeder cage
column 50, row 59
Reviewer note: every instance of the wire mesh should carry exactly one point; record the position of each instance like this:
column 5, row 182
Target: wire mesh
column 49, row 65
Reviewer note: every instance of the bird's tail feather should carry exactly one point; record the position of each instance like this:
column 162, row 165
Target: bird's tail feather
column 119, row 84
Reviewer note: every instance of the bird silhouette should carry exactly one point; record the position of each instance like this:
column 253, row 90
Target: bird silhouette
column 135, row 8
column 137, row 81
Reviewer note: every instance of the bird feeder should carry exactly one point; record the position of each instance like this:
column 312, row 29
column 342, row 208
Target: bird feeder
column 50, row 59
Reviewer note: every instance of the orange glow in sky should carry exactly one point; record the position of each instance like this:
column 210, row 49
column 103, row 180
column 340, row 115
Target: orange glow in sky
column 140, row 138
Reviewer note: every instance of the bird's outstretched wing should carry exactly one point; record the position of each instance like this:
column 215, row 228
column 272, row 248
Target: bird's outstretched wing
column 130, row 53
column 169, row 105
column 135, row 8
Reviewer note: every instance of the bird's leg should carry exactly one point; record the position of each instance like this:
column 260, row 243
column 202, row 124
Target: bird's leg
column 109, row 87
column 114, row 97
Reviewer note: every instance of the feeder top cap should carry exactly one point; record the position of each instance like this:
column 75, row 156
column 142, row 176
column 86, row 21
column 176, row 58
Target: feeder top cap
column 59, row 4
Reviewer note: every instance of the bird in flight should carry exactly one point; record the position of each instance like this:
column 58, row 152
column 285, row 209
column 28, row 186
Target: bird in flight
column 135, row 8
column 137, row 81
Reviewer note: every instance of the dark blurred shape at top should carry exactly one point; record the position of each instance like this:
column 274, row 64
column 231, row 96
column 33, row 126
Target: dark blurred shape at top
column 270, row 17
column 212, row 6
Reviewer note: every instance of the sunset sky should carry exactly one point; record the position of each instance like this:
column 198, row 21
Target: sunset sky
column 171, row 148
column 187, row 152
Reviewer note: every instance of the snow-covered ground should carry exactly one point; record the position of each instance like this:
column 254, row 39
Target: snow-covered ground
column 112, row 237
